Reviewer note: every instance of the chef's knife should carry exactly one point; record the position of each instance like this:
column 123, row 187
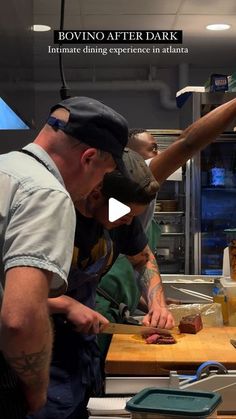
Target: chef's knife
column 129, row 329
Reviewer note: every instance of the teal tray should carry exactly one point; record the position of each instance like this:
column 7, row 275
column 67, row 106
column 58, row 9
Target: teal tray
column 174, row 402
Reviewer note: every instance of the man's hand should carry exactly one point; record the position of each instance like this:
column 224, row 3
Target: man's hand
column 159, row 317
column 85, row 319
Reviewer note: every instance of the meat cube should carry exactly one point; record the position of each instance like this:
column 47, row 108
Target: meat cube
column 191, row 324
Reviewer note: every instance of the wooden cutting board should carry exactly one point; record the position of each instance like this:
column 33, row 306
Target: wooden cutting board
column 129, row 354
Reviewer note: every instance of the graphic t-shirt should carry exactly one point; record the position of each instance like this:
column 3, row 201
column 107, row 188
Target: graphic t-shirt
column 90, row 243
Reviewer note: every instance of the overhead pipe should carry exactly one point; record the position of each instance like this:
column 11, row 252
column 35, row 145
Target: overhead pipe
column 137, row 85
column 129, row 85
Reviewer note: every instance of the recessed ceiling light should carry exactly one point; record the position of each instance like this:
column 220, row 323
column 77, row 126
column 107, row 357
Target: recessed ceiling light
column 41, row 28
column 218, row 27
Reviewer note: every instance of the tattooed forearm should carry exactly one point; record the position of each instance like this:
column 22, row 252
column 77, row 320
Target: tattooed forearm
column 150, row 293
column 29, row 365
column 148, row 273
column 149, row 280
column 145, row 262
column 155, row 293
column 146, row 276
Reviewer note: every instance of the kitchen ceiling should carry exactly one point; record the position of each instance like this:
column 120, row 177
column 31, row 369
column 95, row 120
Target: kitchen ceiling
column 206, row 49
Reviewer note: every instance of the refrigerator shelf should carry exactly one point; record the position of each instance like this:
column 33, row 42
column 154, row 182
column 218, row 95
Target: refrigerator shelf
column 172, row 234
column 222, row 189
column 168, row 212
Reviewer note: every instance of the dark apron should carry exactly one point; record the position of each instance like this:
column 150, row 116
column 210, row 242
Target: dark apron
column 12, row 401
column 75, row 372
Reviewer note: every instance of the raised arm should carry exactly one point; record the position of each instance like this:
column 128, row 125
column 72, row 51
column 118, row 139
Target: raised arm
column 193, row 139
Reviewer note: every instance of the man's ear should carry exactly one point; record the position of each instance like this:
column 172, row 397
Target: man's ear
column 88, row 156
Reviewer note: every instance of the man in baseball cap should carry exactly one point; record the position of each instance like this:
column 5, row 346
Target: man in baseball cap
column 75, row 366
column 94, row 124
column 67, row 159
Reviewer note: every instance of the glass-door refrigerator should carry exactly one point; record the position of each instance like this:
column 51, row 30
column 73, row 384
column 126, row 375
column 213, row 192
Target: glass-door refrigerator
column 210, row 186
column 213, row 206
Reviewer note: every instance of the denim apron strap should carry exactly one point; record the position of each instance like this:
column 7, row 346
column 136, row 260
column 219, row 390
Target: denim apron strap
column 76, row 368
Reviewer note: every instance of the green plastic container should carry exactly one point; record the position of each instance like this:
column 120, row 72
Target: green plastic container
column 164, row 403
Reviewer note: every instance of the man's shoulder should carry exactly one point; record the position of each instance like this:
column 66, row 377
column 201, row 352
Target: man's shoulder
column 26, row 173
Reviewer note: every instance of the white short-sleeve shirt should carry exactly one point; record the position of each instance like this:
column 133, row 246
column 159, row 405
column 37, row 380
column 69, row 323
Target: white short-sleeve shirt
column 37, row 217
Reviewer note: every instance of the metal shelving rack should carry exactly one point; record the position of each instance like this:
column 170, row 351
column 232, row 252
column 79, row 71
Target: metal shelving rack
column 172, row 189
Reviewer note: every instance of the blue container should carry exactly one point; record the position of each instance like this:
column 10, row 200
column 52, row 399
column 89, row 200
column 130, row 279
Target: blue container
column 155, row 403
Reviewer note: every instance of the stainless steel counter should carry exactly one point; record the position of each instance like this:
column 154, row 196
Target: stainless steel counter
column 175, row 286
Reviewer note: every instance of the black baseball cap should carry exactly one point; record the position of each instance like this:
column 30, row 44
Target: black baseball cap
column 138, row 170
column 95, row 124
column 139, row 185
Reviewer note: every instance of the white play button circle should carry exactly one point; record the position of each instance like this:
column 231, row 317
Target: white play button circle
column 116, row 210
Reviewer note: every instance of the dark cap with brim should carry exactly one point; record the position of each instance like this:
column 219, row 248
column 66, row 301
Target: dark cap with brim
column 137, row 169
column 95, row 124
column 138, row 186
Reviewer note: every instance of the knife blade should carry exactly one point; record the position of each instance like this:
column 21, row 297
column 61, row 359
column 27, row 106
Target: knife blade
column 129, row 329
column 233, row 342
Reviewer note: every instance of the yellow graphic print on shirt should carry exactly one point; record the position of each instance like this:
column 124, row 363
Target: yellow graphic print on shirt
column 98, row 250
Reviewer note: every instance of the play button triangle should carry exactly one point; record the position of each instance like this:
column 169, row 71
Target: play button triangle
column 116, row 209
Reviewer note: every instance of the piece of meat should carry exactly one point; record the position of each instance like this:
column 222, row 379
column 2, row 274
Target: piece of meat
column 161, row 340
column 191, row 324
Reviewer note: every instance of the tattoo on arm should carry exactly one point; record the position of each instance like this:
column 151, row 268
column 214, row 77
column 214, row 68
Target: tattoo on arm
column 146, row 274
column 30, row 365
column 154, row 292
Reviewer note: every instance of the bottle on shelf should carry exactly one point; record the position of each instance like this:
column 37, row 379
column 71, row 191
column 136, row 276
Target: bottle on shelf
column 216, row 169
column 220, row 297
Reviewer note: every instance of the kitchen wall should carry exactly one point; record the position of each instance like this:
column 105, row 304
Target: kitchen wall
column 144, row 105
column 146, row 98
